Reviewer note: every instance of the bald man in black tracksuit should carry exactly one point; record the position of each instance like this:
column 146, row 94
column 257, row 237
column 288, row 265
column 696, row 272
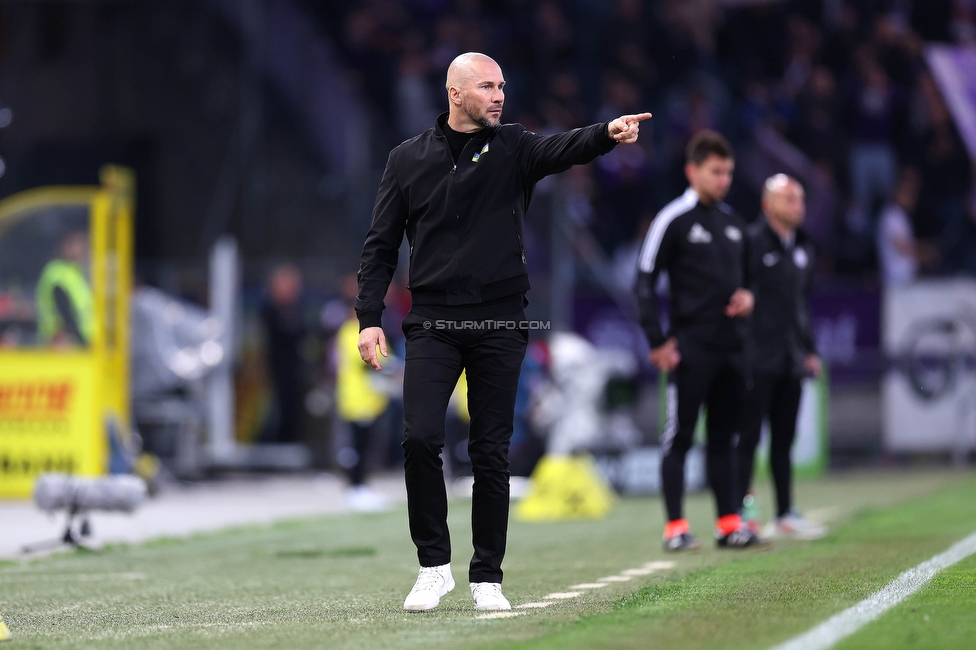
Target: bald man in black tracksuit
column 781, row 347
column 459, row 193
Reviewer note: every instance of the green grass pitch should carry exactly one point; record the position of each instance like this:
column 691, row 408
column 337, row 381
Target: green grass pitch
column 339, row 582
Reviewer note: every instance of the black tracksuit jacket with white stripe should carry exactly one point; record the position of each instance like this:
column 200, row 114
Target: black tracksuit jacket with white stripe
column 463, row 222
column 703, row 250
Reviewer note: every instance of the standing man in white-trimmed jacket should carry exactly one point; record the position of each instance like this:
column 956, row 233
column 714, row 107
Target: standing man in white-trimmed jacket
column 699, row 242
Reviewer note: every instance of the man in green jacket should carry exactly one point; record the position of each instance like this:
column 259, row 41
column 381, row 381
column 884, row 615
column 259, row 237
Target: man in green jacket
column 65, row 310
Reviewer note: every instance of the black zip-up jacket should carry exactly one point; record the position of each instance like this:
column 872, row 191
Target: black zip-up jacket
column 463, row 222
column 780, row 336
column 703, row 250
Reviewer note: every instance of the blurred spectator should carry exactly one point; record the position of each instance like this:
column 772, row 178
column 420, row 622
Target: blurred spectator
column 65, row 311
column 626, row 255
column 285, row 330
column 873, row 109
column 696, row 22
column 624, row 172
column 527, row 446
column 946, row 177
column 932, row 19
column 963, row 23
column 360, row 404
column 413, row 96
column 842, row 40
column 562, row 106
column 816, row 128
column 899, row 253
column 553, row 44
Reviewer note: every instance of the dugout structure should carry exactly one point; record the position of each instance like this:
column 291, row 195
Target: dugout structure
column 58, row 402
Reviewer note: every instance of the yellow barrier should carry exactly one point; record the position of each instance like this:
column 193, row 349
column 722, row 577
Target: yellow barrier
column 55, row 403
column 566, row 487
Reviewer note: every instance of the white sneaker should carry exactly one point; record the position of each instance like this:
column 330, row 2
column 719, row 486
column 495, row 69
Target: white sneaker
column 361, row 499
column 488, row 596
column 793, row 525
column 432, row 583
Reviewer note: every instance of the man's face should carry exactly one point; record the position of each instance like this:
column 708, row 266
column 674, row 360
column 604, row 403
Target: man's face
column 787, row 205
column 74, row 248
column 483, row 95
column 712, row 178
column 286, row 286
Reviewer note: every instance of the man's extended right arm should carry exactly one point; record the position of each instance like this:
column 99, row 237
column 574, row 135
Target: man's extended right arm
column 542, row 155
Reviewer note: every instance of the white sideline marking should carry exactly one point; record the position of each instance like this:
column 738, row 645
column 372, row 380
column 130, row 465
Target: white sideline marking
column 498, row 615
column 550, row 599
column 646, row 571
column 69, row 577
column 854, row 618
column 659, row 565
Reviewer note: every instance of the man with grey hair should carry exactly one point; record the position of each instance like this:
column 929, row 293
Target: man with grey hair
column 781, row 347
column 459, row 191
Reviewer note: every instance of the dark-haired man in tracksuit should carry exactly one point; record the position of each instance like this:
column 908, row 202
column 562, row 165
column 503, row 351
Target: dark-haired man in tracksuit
column 700, row 243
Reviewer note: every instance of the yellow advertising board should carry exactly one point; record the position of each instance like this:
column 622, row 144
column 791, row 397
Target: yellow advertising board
column 49, row 420
column 56, row 400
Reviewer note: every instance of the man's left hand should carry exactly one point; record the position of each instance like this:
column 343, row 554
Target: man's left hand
column 740, row 304
column 624, row 129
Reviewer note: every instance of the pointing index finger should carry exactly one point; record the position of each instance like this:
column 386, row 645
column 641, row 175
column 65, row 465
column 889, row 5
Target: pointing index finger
column 640, row 117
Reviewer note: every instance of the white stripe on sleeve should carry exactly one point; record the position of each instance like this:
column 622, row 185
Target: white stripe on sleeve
column 670, row 212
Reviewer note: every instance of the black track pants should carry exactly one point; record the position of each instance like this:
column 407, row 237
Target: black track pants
column 717, row 380
column 435, row 357
column 776, row 396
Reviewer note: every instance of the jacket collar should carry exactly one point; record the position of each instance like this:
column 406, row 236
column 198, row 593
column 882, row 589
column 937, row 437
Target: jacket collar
column 799, row 235
column 691, row 196
column 441, row 121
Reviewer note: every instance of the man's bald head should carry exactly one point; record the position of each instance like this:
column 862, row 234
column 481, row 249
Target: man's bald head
column 464, row 69
column 783, row 202
column 475, row 92
column 779, row 183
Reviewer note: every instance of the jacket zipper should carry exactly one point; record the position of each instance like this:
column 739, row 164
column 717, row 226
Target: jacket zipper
column 457, row 216
column 518, row 234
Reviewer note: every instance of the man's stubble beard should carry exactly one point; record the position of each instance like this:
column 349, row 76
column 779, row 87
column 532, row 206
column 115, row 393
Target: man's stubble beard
column 483, row 120
column 486, row 121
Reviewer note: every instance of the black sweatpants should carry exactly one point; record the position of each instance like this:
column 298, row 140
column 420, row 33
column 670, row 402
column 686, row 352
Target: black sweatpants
column 776, row 396
column 717, row 380
column 435, row 356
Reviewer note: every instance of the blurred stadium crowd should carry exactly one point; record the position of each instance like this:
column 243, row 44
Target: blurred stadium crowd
column 845, row 84
column 271, row 121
